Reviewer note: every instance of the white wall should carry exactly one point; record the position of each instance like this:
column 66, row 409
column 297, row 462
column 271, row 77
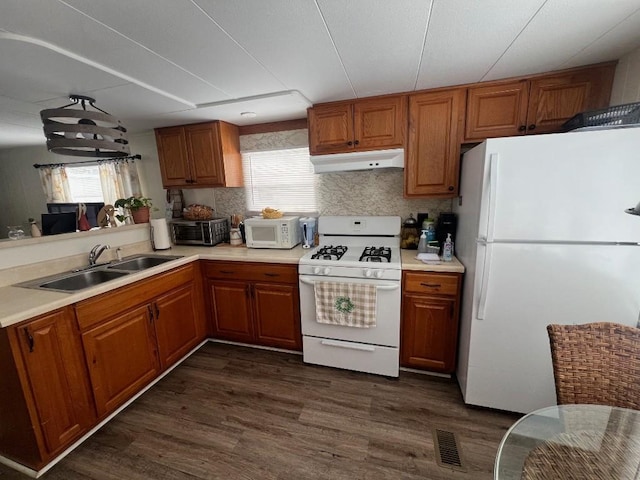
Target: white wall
column 21, row 194
column 626, row 84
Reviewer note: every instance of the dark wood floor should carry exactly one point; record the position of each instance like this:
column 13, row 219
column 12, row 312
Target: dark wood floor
column 238, row 413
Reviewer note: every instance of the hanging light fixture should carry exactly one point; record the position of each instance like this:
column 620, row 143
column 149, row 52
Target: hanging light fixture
column 634, row 211
column 84, row 133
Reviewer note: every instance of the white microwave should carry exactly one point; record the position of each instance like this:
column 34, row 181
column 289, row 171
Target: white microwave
column 281, row 232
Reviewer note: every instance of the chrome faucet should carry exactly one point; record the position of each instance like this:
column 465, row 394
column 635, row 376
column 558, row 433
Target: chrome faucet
column 96, row 251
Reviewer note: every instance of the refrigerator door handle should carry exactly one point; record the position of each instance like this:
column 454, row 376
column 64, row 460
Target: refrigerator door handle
column 493, row 194
column 484, row 281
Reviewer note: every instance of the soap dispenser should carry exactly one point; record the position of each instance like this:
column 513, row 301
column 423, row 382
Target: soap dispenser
column 447, row 249
column 422, row 244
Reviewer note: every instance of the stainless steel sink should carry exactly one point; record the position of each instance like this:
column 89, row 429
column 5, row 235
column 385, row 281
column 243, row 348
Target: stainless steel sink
column 98, row 274
column 81, row 280
column 141, row 262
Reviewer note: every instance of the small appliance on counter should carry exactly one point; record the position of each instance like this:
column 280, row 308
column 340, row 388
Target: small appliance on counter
column 281, row 232
column 447, row 223
column 200, row 232
column 308, row 231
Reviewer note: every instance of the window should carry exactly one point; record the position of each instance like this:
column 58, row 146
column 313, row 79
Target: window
column 84, row 183
column 281, row 179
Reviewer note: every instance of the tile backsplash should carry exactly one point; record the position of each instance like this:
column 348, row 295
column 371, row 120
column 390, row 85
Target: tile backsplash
column 371, row 192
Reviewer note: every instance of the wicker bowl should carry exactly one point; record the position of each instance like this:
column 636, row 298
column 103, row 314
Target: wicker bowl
column 198, row 212
column 271, row 213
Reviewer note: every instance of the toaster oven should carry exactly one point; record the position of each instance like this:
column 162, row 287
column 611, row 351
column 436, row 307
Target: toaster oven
column 200, row 232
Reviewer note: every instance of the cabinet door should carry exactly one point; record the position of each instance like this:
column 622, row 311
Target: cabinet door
column 52, row 355
column 277, row 315
column 496, row 110
column 380, row 123
column 172, row 154
column 230, row 310
column 122, row 357
column 203, row 150
column 555, row 99
column 433, row 151
column 179, row 325
column 331, row 128
column 429, row 333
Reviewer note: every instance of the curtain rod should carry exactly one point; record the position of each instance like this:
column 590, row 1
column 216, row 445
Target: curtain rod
column 135, row 157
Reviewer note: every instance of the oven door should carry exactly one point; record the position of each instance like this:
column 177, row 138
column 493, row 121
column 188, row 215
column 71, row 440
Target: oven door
column 387, row 329
column 188, row 233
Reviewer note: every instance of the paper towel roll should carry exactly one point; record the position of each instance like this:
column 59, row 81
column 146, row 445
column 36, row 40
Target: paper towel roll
column 160, row 234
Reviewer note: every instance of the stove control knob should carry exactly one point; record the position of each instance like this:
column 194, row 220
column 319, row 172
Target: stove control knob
column 378, row 274
column 368, row 273
column 316, row 270
column 326, row 271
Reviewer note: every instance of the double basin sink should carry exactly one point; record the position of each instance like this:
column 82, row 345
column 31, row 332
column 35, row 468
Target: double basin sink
column 97, row 275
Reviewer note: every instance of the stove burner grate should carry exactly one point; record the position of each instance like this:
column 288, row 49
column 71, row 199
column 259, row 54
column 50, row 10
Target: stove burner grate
column 329, row 252
column 376, row 254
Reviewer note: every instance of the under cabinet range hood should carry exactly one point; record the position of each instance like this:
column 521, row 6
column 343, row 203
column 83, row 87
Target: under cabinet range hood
column 345, row 162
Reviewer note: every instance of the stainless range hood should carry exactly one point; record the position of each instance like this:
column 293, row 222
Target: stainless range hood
column 345, row 162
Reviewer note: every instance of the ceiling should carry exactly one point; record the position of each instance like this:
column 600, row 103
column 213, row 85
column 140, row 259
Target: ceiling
column 154, row 63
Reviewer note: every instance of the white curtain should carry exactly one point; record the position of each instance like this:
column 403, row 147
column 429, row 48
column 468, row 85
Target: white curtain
column 55, row 183
column 119, row 179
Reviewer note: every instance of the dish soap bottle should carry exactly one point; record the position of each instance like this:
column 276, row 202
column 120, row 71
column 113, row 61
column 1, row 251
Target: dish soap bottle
column 447, row 249
column 422, row 244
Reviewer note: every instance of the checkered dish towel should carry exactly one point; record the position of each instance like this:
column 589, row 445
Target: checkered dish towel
column 346, row 304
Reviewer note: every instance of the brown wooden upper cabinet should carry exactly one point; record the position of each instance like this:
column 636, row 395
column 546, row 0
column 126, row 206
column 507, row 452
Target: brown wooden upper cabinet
column 539, row 104
column 371, row 124
column 433, row 150
column 200, row 155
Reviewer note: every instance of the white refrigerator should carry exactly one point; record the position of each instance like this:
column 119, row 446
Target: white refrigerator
column 544, row 237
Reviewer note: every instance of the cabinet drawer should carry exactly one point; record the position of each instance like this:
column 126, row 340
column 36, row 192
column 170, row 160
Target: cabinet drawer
column 265, row 272
column 95, row 310
column 434, row 283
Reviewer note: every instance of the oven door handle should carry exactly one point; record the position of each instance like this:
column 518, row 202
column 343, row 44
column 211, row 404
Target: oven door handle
column 350, row 346
column 379, row 287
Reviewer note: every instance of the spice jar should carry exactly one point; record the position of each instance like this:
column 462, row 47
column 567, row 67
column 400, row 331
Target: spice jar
column 409, row 236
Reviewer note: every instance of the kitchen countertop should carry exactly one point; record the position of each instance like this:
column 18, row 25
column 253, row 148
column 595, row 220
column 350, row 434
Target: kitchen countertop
column 18, row 304
column 410, row 262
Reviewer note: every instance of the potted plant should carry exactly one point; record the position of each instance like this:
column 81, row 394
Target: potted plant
column 138, row 206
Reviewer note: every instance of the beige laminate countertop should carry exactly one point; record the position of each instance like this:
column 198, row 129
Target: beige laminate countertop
column 18, row 304
column 410, row 262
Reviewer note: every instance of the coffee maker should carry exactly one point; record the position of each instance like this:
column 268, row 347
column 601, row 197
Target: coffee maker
column 447, row 223
column 308, row 228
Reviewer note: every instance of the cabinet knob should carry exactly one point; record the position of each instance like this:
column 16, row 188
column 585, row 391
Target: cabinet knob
column 357, row 142
column 532, row 126
column 450, row 188
column 349, row 143
column 522, row 128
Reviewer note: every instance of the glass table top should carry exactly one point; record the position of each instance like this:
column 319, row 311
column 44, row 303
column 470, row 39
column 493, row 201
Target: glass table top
column 572, row 442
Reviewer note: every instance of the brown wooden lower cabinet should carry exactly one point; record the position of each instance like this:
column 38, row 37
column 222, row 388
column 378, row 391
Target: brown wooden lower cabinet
column 179, row 323
column 255, row 303
column 132, row 334
column 430, row 314
column 122, row 357
column 277, row 315
column 45, row 397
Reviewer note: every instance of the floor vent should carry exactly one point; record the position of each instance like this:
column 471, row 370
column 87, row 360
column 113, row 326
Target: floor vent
column 448, row 452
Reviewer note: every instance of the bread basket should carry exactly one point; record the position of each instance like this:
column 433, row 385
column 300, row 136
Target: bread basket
column 271, row 213
column 197, row 212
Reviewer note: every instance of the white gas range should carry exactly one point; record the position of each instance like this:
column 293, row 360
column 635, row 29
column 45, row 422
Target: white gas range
column 355, row 253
